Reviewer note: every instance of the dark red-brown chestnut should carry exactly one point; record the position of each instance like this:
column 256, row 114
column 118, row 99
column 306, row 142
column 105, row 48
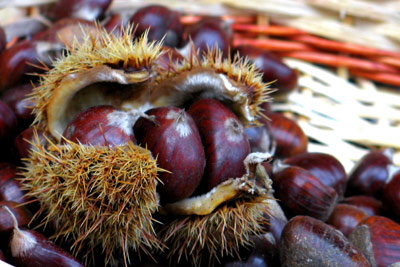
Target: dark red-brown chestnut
column 6, row 221
column 3, row 40
column 84, row 9
column 172, row 137
column 224, row 140
column 385, row 237
column 370, row 205
column 273, row 69
column 301, row 193
column 370, row 174
column 260, row 138
column 346, row 217
column 325, row 167
column 8, row 121
column 101, row 125
column 162, row 21
column 10, row 186
column 22, row 141
column 290, row 138
column 391, row 194
column 309, row 242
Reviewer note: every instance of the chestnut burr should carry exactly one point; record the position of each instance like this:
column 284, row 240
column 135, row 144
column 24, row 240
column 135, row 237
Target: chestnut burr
column 172, row 137
column 290, row 138
column 224, row 140
column 323, row 166
column 370, row 174
column 101, row 125
column 22, row 141
column 307, row 241
column 301, row 193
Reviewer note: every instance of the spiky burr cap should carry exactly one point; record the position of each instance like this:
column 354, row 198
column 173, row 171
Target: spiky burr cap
column 96, row 195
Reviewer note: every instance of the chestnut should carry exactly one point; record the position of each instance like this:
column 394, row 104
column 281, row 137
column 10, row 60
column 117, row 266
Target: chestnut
column 8, row 121
column 346, row 217
column 391, row 194
column 101, row 125
column 302, row 193
column 162, row 21
column 14, row 61
column 17, row 99
column 273, row 69
column 84, row 9
column 384, row 235
column 224, row 139
column 114, row 24
column 370, row 174
column 172, row 137
column 22, row 141
column 290, row 138
column 30, row 248
column 307, row 241
column 6, row 221
column 260, row 138
column 370, row 205
column 210, row 33
column 325, row 167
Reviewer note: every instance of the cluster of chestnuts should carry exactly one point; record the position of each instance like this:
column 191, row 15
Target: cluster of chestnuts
column 144, row 141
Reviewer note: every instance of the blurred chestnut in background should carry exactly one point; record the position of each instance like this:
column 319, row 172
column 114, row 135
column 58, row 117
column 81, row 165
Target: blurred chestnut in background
column 162, row 22
column 210, row 33
column 385, row 237
column 3, row 40
column 8, row 121
column 346, row 217
column 14, row 61
column 370, row 205
column 323, row 166
column 290, row 138
column 23, row 139
column 301, row 193
column 84, row 9
column 272, row 67
column 370, row 174
column 308, row 242
column 391, row 195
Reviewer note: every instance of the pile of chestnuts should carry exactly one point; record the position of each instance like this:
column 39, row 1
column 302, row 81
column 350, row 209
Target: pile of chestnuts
column 143, row 141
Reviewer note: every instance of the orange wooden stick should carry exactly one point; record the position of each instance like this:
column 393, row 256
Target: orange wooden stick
column 266, row 29
column 192, row 19
column 270, row 44
column 386, row 78
column 341, row 61
column 342, row 47
column 12, row 42
column 392, row 61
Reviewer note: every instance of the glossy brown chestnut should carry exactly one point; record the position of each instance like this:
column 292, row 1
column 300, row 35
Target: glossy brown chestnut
column 17, row 99
column 371, row 206
column 30, row 248
column 13, row 61
column 8, row 121
column 172, row 137
column 84, row 9
column 209, row 33
column 385, row 237
column 391, row 194
column 114, row 24
column 10, row 186
column 272, row 68
column 325, row 167
column 290, row 138
column 23, row 139
column 301, row 193
column 224, row 140
column 346, row 217
column 6, row 221
column 101, row 125
column 162, row 21
column 370, row 174
column 309, row 242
